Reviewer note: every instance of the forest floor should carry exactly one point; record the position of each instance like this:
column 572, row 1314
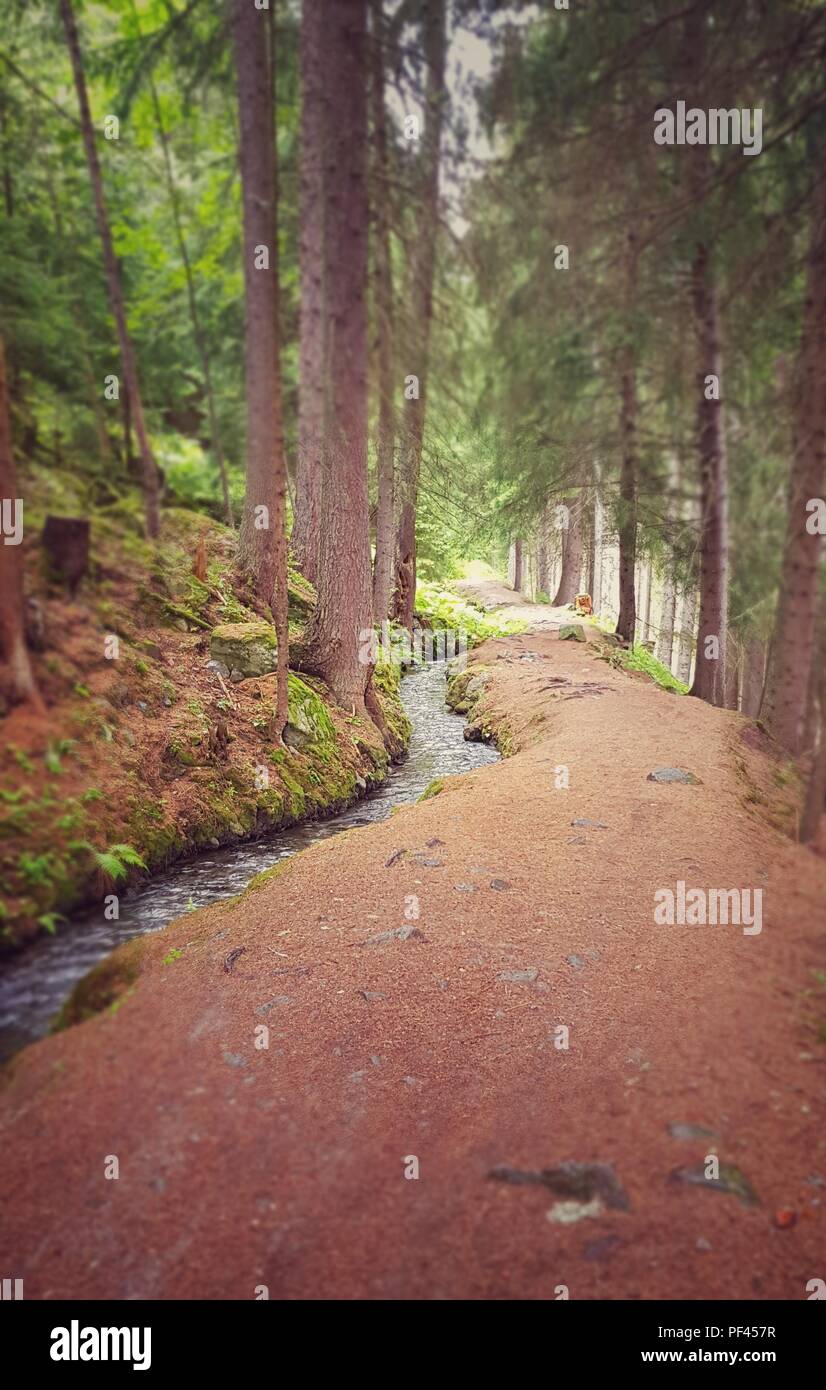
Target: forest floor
column 412, row 1128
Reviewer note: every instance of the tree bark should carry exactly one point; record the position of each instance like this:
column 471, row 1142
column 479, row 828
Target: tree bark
column 709, row 671
column 149, row 471
column 794, row 633
column 517, row 565
column 19, row 682
column 815, row 802
column 688, row 620
column 262, row 550
column 421, row 308
column 385, row 443
column 343, row 615
column 308, row 479
column 627, row 524
column 754, row 667
column 571, row 572
column 542, row 557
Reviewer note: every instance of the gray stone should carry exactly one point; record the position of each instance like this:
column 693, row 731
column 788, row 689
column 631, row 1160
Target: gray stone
column 519, row 977
column 576, row 961
column 672, row 774
column 233, row 1059
column 591, row 824
column 681, row 1131
column 572, row 632
column 397, row 934
column 500, row 884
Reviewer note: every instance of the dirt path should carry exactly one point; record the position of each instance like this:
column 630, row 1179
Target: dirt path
column 496, row 596
column 241, row 1166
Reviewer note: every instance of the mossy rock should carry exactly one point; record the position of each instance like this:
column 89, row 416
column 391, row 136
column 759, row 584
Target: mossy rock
column 244, row 649
column 301, row 597
column 308, row 721
column 572, row 632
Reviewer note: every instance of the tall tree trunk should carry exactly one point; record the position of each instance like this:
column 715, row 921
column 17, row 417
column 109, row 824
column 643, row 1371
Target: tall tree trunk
column 627, row 521
column 420, row 307
column 149, row 471
column 305, row 537
column 815, row 803
column 754, row 667
column 649, row 584
column 542, row 556
column 733, row 669
column 517, row 565
column 571, row 573
column 668, row 612
column 19, row 681
column 385, row 528
column 688, row 619
column 262, row 550
column 793, row 645
column 599, row 539
column 343, row 614
column 709, row 672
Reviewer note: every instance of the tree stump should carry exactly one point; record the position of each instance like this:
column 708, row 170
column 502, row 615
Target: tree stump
column 65, row 542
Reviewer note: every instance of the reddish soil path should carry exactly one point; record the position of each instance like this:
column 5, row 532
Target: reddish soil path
column 286, row 1166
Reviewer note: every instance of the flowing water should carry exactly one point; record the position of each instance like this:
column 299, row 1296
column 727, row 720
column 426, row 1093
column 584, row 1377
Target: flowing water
column 35, row 983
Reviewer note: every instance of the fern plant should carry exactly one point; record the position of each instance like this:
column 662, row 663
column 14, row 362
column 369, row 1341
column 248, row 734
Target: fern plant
column 114, row 862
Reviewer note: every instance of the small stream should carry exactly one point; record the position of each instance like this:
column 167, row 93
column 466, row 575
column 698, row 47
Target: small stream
column 36, row 982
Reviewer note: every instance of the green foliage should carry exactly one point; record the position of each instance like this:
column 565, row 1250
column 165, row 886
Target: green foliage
column 640, row 659
column 447, row 610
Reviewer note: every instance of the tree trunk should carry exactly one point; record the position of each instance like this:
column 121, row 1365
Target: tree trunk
column 385, row 528
column 517, row 565
column 305, row 537
column 343, row 615
column 668, row 611
column 19, row 682
column 688, row 620
column 542, row 557
column 262, row 550
column 733, row 665
column 599, row 540
column 709, row 672
column 627, row 522
column 646, row 577
column 571, row 573
column 421, row 308
column 149, row 471
column 816, row 787
column 754, row 668
column 794, row 633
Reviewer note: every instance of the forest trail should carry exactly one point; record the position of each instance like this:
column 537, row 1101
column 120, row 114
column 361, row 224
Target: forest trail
column 495, row 596
column 399, row 1041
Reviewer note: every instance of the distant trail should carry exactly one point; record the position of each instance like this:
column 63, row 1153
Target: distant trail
column 400, row 1041
column 496, row 595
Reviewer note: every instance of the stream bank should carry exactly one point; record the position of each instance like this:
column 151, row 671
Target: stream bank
column 36, row 984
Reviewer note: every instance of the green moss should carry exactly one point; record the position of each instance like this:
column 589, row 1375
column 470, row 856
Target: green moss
column 103, row 987
column 433, row 789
